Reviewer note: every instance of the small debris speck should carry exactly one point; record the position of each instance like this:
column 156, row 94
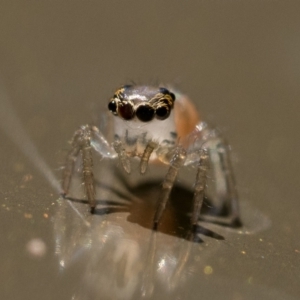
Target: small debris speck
column 45, row 216
column 208, row 270
column 28, row 216
column 249, row 280
column 27, row 177
column 36, row 247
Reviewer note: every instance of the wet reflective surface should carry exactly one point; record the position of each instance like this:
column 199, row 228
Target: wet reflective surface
column 119, row 256
column 60, row 62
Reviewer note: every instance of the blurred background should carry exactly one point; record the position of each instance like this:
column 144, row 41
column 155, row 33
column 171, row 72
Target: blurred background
column 240, row 63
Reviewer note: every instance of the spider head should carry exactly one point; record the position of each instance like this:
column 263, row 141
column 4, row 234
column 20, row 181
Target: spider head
column 142, row 103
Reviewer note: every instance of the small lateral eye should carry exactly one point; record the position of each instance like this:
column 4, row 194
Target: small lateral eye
column 145, row 112
column 162, row 112
column 112, row 106
column 127, row 86
column 126, row 110
column 167, row 92
column 164, row 91
column 172, row 96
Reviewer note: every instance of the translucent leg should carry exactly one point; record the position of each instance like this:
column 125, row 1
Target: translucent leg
column 177, row 161
column 69, row 169
column 225, row 186
column 88, row 177
column 219, row 183
column 81, row 143
column 200, row 184
column 125, row 162
column 146, row 155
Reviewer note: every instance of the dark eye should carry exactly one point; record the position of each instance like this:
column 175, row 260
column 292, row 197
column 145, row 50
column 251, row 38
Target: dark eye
column 167, row 92
column 145, row 112
column 126, row 110
column 164, row 91
column 112, row 106
column 172, row 96
column 162, row 112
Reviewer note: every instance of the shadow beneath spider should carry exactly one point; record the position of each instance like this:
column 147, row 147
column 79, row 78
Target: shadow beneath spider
column 176, row 217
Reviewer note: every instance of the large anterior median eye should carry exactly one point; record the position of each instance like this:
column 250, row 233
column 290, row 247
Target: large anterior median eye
column 145, row 112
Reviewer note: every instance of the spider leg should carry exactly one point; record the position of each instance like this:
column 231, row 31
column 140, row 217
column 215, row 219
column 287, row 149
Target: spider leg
column 84, row 140
column 146, row 155
column 200, row 185
column 125, row 162
column 69, row 169
column 177, row 161
column 87, row 168
column 218, row 183
column 228, row 195
column 233, row 195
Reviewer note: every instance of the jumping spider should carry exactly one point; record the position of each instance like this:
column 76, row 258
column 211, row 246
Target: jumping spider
column 154, row 124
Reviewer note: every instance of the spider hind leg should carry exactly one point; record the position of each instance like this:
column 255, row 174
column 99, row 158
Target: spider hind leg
column 177, row 161
column 215, row 176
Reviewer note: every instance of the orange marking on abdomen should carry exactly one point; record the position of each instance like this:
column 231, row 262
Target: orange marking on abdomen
column 186, row 116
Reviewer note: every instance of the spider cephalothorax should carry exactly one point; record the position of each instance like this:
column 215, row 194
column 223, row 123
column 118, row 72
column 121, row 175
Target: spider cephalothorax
column 128, row 102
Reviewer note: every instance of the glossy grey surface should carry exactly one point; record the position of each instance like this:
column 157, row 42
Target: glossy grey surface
column 240, row 63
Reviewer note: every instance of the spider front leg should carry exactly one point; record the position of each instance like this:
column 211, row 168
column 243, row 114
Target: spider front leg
column 84, row 139
column 200, row 184
column 176, row 163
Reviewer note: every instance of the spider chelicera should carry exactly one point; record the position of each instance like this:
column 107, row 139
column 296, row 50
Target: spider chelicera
column 153, row 124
